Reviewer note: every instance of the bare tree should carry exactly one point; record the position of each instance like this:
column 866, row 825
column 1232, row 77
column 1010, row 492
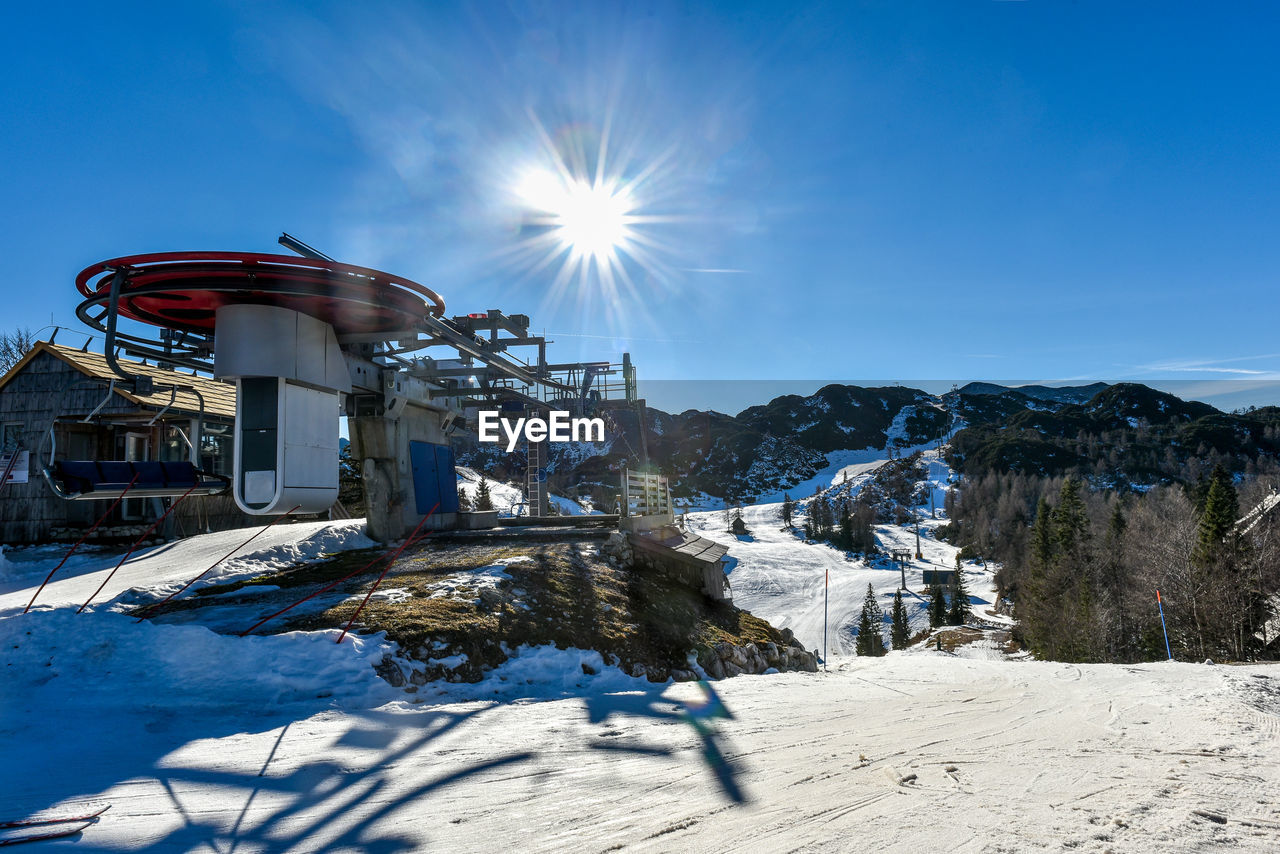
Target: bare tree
column 14, row 344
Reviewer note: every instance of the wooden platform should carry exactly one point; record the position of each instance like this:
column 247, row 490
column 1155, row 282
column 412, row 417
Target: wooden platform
column 598, row 520
column 525, row 533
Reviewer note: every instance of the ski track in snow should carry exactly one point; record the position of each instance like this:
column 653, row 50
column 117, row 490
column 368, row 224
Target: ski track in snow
column 290, row 742
column 167, row 567
column 909, row 752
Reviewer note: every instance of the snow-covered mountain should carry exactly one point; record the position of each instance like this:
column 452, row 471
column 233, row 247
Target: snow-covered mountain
column 1056, row 394
column 1118, row 434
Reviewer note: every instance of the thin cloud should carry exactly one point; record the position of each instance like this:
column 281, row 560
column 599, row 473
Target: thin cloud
column 624, row 338
column 1207, row 366
column 1242, row 371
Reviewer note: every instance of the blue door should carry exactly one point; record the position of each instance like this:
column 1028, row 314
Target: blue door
column 448, row 479
column 434, row 483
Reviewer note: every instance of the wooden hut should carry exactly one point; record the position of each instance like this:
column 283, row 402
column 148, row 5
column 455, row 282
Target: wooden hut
column 70, row 391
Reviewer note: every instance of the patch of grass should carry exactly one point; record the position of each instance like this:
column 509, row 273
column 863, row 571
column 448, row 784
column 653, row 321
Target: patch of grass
column 323, row 571
column 1010, row 644
column 559, row 593
column 954, row 637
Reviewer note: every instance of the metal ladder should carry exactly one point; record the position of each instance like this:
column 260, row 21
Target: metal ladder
column 536, row 474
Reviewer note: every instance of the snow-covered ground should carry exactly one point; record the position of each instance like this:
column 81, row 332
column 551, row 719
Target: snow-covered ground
column 840, row 465
column 779, row 577
column 205, row 741
column 163, row 569
column 507, row 498
column 290, row 743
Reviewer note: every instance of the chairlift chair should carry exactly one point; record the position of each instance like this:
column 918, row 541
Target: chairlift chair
column 83, row 480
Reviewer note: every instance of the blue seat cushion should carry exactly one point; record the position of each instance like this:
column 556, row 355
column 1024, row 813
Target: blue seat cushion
column 79, row 475
column 180, row 473
column 151, row 475
column 115, row 472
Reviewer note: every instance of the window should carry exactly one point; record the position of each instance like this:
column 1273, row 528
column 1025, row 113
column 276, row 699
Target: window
column 173, row 444
column 216, row 448
column 12, row 433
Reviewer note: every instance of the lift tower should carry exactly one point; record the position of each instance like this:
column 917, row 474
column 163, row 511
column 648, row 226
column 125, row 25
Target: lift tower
column 306, row 339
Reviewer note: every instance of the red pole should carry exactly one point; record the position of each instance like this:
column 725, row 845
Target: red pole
column 136, row 542
column 216, row 562
column 324, row 589
column 390, row 563
column 67, row 557
column 8, row 470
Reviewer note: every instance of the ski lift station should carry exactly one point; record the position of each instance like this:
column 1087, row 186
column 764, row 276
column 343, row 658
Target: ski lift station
column 217, row 396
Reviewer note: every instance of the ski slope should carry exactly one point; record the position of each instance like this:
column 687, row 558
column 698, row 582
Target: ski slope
column 776, row 575
column 290, row 743
column 202, row 741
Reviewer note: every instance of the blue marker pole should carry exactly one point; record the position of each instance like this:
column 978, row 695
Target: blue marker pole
column 1162, row 626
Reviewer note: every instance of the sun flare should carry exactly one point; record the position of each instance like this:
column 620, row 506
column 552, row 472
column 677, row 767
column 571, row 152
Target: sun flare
column 590, row 219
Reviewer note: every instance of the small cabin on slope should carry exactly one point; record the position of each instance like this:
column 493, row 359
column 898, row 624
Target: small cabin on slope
column 941, row 577
column 70, row 390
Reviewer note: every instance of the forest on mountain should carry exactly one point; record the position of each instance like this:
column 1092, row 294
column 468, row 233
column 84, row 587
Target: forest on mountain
column 1126, row 436
column 1083, row 566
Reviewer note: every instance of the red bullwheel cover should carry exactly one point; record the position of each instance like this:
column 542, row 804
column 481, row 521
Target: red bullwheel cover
column 184, row 290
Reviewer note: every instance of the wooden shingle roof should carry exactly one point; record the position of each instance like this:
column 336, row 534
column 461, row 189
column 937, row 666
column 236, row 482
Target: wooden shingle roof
column 680, row 544
column 219, row 396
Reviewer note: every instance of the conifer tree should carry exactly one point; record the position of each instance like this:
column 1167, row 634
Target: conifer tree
column 870, row 641
column 1070, row 522
column 822, row 517
column 1111, row 572
column 1221, row 510
column 937, row 607
column 788, row 509
column 483, row 500
column 959, row 610
column 1042, row 538
column 845, row 539
column 1116, row 526
column 900, row 633
column 464, row 503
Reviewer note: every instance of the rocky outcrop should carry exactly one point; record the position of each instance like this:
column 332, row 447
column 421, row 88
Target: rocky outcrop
column 725, row 659
column 721, row 661
column 106, row 533
column 617, row 550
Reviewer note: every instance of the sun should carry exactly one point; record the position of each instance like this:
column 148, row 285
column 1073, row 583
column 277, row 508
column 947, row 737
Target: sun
column 590, row 219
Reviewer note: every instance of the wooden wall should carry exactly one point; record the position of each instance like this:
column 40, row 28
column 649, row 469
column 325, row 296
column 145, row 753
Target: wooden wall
column 29, row 511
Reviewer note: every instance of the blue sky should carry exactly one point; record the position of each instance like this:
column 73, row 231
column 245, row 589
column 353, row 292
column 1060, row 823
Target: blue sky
column 848, row 191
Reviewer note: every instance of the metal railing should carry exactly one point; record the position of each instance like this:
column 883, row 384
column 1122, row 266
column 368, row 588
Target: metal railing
column 645, row 494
